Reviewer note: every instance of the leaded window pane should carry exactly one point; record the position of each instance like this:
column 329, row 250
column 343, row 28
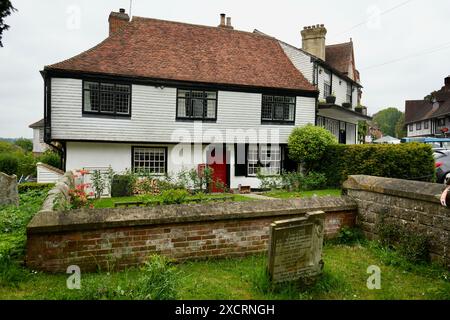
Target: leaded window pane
column 107, row 98
column 278, row 108
column 196, row 104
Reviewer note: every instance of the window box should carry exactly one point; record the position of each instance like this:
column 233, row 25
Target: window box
column 331, row 99
column 347, row 105
column 359, row 109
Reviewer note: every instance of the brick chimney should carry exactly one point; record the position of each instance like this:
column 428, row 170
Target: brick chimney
column 225, row 22
column 117, row 20
column 447, row 83
column 222, row 20
column 313, row 40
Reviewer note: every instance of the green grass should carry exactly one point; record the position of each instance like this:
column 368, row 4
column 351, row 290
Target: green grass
column 344, row 278
column 109, row 202
column 344, row 273
column 13, row 221
column 280, row 194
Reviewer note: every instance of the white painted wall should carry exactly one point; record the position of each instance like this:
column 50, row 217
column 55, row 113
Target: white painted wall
column 419, row 133
column 46, row 175
column 81, row 155
column 302, row 62
column 154, row 113
column 39, row 145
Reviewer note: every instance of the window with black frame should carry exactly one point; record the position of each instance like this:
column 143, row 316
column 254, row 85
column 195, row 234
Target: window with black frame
column 196, row 105
column 326, row 84
column 278, row 109
column 349, row 93
column 106, row 98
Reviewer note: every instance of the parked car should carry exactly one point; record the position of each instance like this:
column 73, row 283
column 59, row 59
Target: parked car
column 442, row 158
column 436, row 143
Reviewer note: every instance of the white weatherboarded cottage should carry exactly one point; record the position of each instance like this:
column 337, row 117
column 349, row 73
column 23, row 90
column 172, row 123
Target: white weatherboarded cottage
column 165, row 96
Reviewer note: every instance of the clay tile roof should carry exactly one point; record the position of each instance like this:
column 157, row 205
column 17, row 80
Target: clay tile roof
column 339, row 56
column 417, row 110
column 168, row 50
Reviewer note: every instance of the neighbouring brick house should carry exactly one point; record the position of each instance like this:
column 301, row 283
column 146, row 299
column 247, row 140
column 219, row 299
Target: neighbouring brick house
column 132, row 100
column 431, row 117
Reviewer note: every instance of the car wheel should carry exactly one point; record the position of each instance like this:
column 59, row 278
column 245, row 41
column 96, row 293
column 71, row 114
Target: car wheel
column 447, row 179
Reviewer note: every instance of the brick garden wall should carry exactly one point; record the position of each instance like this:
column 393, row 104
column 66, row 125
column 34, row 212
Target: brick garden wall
column 126, row 237
column 414, row 205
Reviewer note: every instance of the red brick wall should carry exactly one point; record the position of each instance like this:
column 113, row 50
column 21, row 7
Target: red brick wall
column 130, row 246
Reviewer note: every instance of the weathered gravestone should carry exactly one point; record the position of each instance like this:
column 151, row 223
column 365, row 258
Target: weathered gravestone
column 295, row 249
column 9, row 194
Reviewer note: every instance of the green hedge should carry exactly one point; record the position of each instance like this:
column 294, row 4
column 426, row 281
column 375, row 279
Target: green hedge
column 122, row 186
column 411, row 161
column 28, row 186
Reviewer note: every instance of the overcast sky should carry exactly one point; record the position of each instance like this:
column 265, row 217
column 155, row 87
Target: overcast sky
column 47, row 31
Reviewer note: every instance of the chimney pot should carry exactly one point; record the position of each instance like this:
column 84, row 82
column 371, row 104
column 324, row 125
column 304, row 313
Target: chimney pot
column 222, row 20
column 229, row 26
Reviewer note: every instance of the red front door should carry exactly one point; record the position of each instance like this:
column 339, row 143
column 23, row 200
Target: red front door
column 217, row 161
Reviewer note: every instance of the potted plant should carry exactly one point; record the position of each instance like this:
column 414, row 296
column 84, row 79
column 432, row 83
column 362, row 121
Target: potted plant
column 359, row 108
column 331, row 99
column 347, row 105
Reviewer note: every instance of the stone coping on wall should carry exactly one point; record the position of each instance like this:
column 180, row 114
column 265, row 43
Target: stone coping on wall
column 416, row 190
column 94, row 219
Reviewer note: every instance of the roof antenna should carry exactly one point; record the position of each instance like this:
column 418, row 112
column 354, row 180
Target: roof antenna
column 131, row 6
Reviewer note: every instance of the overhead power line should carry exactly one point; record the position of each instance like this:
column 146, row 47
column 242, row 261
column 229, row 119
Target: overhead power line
column 441, row 47
column 382, row 13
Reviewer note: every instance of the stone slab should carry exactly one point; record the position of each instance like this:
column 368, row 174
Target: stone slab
column 295, row 249
column 9, row 194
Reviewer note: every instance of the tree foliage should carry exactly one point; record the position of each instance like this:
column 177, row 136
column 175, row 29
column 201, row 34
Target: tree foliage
column 400, row 127
column 387, row 120
column 25, row 144
column 6, row 8
column 308, row 144
column 363, row 131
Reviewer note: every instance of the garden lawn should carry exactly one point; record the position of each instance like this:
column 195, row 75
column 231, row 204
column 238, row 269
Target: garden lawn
column 344, row 278
column 345, row 273
column 109, row 202
column 281, row 194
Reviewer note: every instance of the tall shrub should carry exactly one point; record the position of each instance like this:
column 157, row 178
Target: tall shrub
column 9, row 164
column 308, row 144
column 411, row 161
column 51, row 158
